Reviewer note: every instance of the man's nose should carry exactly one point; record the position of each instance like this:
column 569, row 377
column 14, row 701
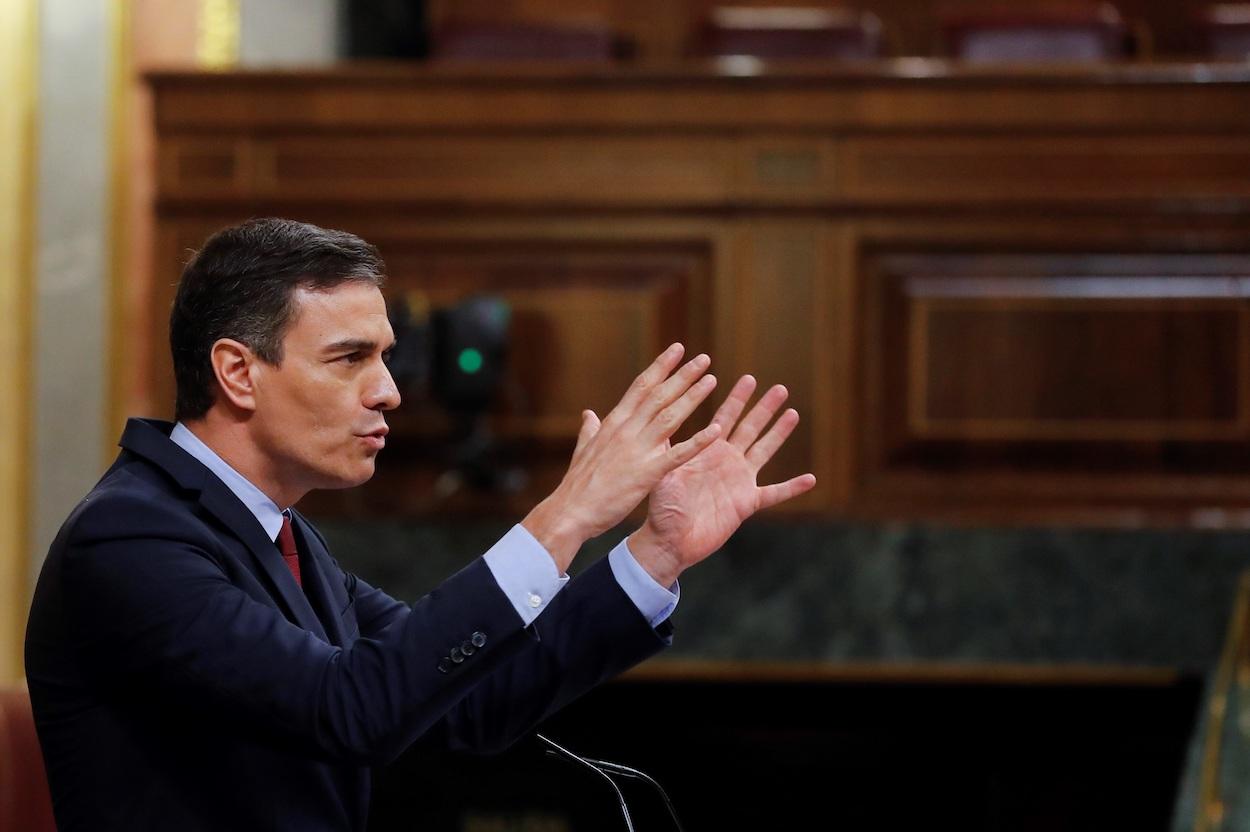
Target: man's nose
column 383, row 394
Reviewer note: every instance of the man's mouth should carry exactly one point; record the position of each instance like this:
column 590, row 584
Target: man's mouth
column 376, row 439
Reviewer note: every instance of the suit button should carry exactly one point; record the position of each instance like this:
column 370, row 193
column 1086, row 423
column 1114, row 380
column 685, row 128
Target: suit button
column 467, row 648
column 456, row 656
column 478, row 639
column 443, row 665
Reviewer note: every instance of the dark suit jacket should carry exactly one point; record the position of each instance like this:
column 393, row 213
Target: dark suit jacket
column 181, row 679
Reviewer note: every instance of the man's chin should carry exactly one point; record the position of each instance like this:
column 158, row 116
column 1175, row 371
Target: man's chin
column 340, row 481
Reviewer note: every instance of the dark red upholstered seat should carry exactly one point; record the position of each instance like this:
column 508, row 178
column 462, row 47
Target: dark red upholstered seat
column 525, row 41
column 1225, row 31
column 25, row 805
column 781, row 33
column 1044, row 32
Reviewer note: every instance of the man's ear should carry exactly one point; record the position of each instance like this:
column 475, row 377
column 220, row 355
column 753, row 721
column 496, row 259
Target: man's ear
column 234, row 364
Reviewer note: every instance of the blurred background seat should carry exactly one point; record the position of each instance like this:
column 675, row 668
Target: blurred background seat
column 1225, row 31
column 780, row 33
column 472, row 40
column 1044, row 33
column 25, row 805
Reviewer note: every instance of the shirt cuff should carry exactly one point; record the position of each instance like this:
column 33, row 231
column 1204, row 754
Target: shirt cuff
column 656, row 603
column 525, row 572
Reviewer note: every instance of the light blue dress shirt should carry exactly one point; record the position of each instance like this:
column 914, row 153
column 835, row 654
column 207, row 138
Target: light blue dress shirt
column 520, row 564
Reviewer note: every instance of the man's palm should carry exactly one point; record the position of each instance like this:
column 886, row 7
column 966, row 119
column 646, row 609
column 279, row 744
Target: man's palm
column 697, row 506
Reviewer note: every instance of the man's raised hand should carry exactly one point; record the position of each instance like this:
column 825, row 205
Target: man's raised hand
column 618, row 461
column 697, row 506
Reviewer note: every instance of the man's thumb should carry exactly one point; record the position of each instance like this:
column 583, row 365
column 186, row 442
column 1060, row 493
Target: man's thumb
column 590, row 426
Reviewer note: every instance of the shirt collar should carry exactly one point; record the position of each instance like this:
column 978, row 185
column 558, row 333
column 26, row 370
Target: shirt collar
column 264, row 509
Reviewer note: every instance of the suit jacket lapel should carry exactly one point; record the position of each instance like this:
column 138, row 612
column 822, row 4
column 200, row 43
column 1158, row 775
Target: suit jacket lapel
column 150, row 439
column 220, row 500
column 316, row 583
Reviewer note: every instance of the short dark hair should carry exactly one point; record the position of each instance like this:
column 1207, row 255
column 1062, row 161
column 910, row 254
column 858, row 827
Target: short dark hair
column 241, row 284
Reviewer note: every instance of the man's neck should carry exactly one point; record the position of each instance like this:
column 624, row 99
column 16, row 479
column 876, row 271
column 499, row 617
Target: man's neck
column 231, row 440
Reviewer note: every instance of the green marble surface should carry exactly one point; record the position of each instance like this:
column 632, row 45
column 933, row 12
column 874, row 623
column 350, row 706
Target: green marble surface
column 846, row 592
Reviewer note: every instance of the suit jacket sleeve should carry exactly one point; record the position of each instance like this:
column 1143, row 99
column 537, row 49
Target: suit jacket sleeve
column 158, row 607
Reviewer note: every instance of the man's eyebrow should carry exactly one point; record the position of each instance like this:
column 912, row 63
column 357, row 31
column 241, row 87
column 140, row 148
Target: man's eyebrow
column 358, row 345
column 354, row 345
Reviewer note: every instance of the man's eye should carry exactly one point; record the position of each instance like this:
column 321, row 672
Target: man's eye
column 351, row 358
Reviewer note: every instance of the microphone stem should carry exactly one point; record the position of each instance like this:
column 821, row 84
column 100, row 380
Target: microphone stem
column 626, row 771
column 569, row 755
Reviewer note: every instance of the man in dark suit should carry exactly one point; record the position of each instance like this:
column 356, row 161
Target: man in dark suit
column 196, row 657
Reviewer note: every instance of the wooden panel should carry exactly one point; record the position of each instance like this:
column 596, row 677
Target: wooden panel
column 707, row 170
column 586, row 319
column 787, row 169
column 1045, row 372
column 935, row 169
column 206, row 168
column 515, row 169
column 903, row 96
column 779, row 268
column 1076, row 358
column 511, row 169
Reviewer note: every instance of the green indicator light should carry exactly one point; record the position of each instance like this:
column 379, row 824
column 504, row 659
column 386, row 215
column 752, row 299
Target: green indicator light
column 470, row 360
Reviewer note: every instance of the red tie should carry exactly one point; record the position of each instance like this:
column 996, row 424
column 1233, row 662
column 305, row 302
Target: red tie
column 286, row 545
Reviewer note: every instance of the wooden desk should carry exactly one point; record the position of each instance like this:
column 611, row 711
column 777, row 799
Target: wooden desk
column 996, row 296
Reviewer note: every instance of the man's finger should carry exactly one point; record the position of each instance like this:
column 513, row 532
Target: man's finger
column 683, row 452
column 659, row 370
column 763, row 450
column 749, row 428
column 771, row 495
column 677, row 384
column 729, row 411
column 590, row 426
column 667, row 421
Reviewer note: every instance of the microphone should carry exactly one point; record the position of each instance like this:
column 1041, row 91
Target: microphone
column 606, row 769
